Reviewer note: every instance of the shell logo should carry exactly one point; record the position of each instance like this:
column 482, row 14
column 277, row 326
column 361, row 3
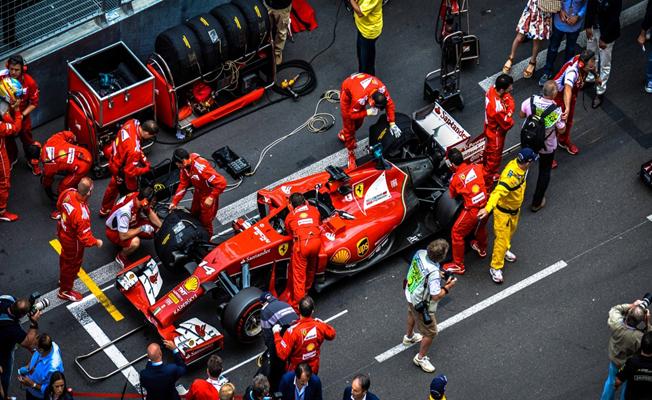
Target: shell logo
column 475, row 189
column 303, row 215
column 341, row 256
column 310, row 347
column 191, row 283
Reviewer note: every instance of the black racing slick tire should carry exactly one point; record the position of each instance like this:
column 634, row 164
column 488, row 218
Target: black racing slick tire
column 447, row 210
column 212, row 39
column 179, row 240
column 241, row 316
column 258, row 23
column 180, row 49
column 235, row 28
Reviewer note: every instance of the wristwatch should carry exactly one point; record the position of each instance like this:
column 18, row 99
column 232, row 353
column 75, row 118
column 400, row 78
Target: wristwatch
column 34, row 385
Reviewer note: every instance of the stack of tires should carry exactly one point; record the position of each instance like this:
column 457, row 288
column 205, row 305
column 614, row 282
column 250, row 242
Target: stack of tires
column 203, row 43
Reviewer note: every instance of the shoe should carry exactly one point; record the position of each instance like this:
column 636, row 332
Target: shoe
column 476, row 247
column 496, row 275
column 554, row 164
column 540, row 206
column 55, row 215
column 416, row 337
column 35, row 167
column 424, row 363
column 121, row 260
column 104, row 212
column 454, row 268
column 529, row 70
column 7, row 216
column 590, row 78
column 341, row 137
column 510, row 257
column 597, row 101
column 544, row 78
column 507, row 68
column 570, row 148
column 648, row 87
column 70, row 295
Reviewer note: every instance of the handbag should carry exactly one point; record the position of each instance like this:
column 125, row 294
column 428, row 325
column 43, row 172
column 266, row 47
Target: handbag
column 550, row 6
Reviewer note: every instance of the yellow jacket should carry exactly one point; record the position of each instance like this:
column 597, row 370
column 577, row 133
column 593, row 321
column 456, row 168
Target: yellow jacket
column 370, row 24
column 510, row 189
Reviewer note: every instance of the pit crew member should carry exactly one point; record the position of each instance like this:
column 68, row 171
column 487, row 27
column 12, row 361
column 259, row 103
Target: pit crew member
column 499, row 108
column 507, row 199
column 302, row 341
column 131, row 219
column 127, row 161
column 74, row 233
column 207, row 183
column 10, row 125
column 359, row 91
column 467, row 182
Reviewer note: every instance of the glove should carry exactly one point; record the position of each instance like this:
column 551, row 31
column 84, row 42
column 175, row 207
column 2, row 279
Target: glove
column 395, row 130
column 147, row 229
column 276, row 328
column 372, row 111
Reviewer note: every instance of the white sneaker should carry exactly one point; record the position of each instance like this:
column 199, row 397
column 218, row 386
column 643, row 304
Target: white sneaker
column 496, row 275
column 416, row 337
column 424, row 363
column 510, row 257
column 590, row 78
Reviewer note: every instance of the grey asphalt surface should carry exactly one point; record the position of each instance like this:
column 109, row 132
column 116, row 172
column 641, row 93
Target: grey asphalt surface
column 548, row 341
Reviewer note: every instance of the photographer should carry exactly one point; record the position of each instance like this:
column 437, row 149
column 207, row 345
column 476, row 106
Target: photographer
column 11, row 333
column 638, row 372
column 423, row 290
column 624, row 322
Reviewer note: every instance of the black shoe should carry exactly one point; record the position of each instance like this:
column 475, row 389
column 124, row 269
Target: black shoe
column 597, row 101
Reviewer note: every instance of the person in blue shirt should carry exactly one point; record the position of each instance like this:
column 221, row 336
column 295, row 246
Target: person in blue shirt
column 46, row 360
column 300, row 384
column 566, row 23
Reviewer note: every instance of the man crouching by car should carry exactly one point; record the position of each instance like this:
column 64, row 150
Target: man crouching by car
column 423, row 290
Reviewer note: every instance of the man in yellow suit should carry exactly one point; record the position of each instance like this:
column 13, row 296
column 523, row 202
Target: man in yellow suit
column 506, row 200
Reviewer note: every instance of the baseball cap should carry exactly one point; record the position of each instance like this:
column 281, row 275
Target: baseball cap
column 526, row 154
column 438, row 386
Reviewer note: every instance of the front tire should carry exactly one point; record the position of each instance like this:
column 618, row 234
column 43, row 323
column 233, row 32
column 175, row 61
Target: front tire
column 241, row 317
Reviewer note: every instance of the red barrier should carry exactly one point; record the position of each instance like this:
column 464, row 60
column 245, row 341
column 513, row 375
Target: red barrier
column 108, row 395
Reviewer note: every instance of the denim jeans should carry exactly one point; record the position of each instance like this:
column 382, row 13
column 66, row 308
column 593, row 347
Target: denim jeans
column 7, row 365
column 609, row 390
column 366, row 49
column 649, row 63
column 553, row 48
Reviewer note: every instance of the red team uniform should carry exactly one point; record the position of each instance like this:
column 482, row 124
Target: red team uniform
column 60, row 155
column 497, row 121
column 8, row 127
column 302, row 342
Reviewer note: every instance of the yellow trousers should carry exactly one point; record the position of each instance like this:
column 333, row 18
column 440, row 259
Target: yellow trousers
column 504, row 228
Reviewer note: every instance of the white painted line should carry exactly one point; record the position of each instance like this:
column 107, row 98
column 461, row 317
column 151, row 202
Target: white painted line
column 503, row 294
column 627, row 17
column 248, row 360
column 649, row 217
column 248, row 203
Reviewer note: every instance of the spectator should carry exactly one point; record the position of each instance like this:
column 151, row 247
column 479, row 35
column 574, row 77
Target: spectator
column 259, row 389
column 568, row 22
column 368, row 15
column 570, row 79
column 638, row 372
column 227, row 392
column 279, row 14
column 534, row 24
column 624, row 342
column 438, row 387
column 645, row 27
column 507, row 199
column 300, row 384
column 359, row 389
column 57, row 389
column 11, row 334
column 274, row 312
column 209, row 388
column 159, row 379
column 423, row 290
column 302, row 341
column 602, row 30
column 46, row 360
column 545, row 106
column 499, row 108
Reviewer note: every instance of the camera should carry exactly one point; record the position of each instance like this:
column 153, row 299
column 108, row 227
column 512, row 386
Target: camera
column 445, row 275
column 36, row 303
column 645, row 301
column 422, row 308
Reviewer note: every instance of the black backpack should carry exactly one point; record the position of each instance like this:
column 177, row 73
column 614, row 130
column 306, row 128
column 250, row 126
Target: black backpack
column 533, row 133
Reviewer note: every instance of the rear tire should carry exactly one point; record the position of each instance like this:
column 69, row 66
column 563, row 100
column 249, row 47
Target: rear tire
column 180, row 49
column 258, row 24
column 241, row 316
column 235, row 29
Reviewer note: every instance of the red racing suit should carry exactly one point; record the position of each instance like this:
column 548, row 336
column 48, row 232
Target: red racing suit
column 74, row 232
column 569, row 74
column 468, row 182
column 60, row 155
column 8, row 127
column 355, row 94
column 302, row 342
column 207, row 183
column 302, row 223
column 126, row 207
column 30, row 98
column 497, row 121
column 127, row 162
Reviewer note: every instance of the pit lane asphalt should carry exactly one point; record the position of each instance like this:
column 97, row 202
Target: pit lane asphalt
column 548, row 340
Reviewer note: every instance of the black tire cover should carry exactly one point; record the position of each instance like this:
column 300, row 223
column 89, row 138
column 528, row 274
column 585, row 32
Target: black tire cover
column 212, row 39
column 258, row 23
column 235, row 28
column 180, row 49
column 180, row 231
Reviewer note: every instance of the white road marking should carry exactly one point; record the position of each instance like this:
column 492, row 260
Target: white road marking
column 248, row 360
column 649, row 217
column 627, row 17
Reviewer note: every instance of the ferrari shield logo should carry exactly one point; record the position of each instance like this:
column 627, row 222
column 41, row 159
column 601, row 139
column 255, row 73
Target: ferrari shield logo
column 359, row 190
column 282, row 249
column 363, row 247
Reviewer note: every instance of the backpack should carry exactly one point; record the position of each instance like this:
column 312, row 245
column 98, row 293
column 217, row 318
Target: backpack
column 533, row 133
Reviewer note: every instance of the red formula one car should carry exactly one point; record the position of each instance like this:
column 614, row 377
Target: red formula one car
column 397, row 198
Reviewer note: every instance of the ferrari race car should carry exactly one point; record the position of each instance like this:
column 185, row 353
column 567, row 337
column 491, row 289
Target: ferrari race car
column 395, row 199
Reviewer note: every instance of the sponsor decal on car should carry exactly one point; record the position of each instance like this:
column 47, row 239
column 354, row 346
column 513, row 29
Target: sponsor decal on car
column 341, row 256
column 191, row 284
column 359, row 190
column 282, row 249
column 363, row 246
column 257, row 255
